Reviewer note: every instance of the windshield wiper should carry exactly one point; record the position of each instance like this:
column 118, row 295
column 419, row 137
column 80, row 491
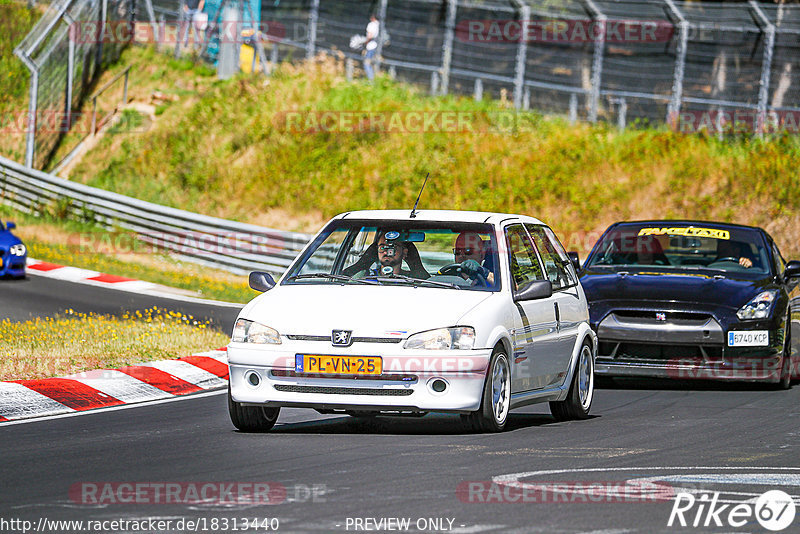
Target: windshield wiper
column 337, row 277
column 415, row 281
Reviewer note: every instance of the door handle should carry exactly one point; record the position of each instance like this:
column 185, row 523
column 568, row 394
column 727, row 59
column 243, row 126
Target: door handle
column 558, row 317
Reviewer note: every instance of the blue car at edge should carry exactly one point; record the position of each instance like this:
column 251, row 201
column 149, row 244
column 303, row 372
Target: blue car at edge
column 13, row 252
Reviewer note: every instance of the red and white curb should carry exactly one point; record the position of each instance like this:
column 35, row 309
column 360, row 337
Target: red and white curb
column 23, row 399
column 111, row 281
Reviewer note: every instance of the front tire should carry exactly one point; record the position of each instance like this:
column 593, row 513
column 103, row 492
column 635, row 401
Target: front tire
column 581, row 390
column 251, row 418
column 785, row 381
column 496, row 399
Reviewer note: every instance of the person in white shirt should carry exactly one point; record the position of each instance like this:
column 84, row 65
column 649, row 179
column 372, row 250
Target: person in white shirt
column 373, row 29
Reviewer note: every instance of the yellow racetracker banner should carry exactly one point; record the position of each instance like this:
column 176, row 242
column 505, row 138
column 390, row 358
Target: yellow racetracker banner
column 688, row 231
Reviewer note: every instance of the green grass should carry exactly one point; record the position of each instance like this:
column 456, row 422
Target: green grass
column 226, row 151
column 16, row 20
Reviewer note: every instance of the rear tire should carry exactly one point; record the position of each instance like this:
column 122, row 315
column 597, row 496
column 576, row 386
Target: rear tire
column 496, row 399
column 581, row 390
column 251, row 418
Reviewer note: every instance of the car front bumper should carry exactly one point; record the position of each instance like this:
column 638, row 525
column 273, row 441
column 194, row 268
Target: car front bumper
column 685, row 349
column 12, row 266
column 406, row 384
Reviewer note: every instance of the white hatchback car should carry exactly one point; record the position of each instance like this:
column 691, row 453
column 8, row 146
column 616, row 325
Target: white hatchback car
column 391, row 312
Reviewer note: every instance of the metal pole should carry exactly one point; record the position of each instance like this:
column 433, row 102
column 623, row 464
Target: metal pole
column 125, row 87
column 622, row 112
column 313, row 17
column 181, row 23
column 573, row 108
column 381, row 30
column 148, row 4
column 70, row 71
column 447, row 46
column 766, row 67
column 30, row 140
column 94, row 116
column 680, row 63
column 597, row 58
column 522, row 50
column 101, row 36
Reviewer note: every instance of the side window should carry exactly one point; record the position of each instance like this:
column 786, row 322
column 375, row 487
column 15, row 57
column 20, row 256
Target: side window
column 522, row 257
column 780, row 264
column 556, row 262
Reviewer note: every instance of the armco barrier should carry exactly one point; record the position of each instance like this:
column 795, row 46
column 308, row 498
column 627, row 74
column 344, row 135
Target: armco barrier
column 220, row 243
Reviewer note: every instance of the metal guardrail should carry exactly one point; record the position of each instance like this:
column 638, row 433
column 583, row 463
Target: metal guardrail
column 229, row 245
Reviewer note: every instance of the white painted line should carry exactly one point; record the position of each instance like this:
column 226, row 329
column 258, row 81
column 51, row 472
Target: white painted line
column 115, row 408
column 17, row 402
column 120, row 385
column 189, row 373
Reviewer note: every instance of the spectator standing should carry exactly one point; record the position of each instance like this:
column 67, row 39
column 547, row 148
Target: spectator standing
column 373, row 31
column 191, row 9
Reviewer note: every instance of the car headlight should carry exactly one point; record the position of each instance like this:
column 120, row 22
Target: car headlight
column 17, row 250
column 457, row 337
column 245, row 331
column 759, row 307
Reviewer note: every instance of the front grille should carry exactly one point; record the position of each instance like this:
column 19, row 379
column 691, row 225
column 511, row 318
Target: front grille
column 384, row 377
column 674, row 317
column 300, row 337
column 645, row 351
column 345, row 391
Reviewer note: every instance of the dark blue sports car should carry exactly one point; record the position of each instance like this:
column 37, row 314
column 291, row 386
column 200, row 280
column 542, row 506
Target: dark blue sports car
column 689, row 299
column 13, row 253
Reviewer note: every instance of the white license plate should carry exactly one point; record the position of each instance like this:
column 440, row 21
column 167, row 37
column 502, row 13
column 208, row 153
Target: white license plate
column 750, row 338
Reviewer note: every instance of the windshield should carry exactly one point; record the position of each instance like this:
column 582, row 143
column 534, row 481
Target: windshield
column 682, row 246
column 449, row 255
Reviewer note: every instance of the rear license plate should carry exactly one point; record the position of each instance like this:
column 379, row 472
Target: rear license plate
column 338, row 365
column 751, row 338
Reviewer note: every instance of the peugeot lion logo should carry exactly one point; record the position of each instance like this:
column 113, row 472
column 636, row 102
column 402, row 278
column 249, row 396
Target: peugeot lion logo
column 341, row 338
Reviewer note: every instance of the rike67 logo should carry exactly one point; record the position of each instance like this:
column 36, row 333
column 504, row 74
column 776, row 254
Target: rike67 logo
column 773, row 510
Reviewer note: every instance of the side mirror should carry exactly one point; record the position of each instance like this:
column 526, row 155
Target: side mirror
column 576, row 261
column 538, row 289
column 792, row 270
column 10, row 225
column 261, row 281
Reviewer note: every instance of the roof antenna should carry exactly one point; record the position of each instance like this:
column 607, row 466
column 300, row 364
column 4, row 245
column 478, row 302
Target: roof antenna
column 414, row 209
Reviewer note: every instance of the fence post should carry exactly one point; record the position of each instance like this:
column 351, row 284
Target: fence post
column 447, row 45
column 573, row 108
column 434, row 83
column 313, row 17
column 181, row 23
column 597, row 58
column 102, row 28
column 522, row 51
column 680, row 64
column 766, row 67
column 478, row 92
column 30, row 141
column 70, row 69
column 381, row 32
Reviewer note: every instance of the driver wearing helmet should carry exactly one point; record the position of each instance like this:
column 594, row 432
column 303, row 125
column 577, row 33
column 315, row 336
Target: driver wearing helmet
column 469, row 251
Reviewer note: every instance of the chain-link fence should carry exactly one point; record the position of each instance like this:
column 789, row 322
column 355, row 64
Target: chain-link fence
column 693, row 64
column 65, row 51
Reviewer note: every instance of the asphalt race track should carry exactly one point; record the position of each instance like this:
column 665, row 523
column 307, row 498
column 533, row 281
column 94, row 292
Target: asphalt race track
column 37, row 296
column 339, row 474
column 735, row 440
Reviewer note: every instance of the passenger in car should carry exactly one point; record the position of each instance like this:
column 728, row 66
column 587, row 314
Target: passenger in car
column 470, row 251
